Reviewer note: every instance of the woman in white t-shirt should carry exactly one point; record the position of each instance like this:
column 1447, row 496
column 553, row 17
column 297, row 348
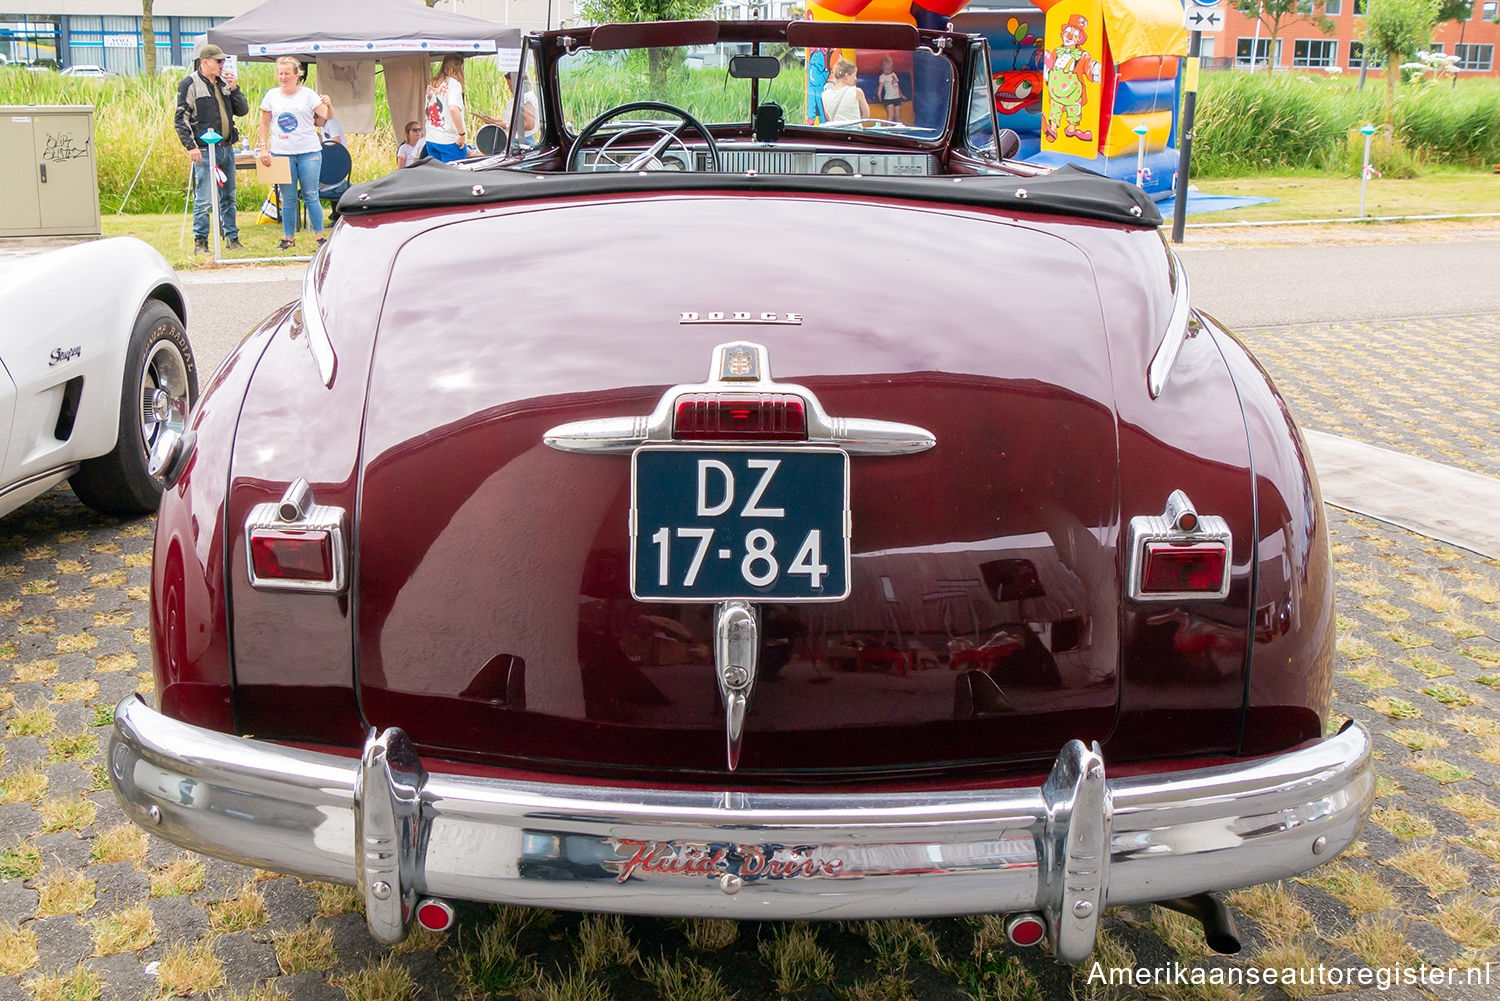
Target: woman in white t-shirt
column 444, row 114
column 410, row 151
column 287, row 116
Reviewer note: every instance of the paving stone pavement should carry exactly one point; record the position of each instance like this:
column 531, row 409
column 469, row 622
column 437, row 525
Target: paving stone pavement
column 92, row 908
column 1423, row 387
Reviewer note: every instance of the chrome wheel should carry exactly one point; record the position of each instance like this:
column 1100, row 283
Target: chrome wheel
column 165, row 394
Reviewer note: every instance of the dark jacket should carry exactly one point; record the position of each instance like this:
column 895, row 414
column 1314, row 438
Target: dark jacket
column 197, row 111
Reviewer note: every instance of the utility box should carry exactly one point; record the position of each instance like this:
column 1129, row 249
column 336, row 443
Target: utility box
column 48, row 171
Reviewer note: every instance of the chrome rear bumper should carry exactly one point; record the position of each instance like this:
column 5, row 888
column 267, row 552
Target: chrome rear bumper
column 386, row 825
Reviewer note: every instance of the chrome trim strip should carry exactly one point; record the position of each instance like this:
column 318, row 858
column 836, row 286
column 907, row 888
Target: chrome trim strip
column 61, row 472
column 855, row 435
column 1178, row 330
column 319, row 344
column 793, row 855
column 1163, row 528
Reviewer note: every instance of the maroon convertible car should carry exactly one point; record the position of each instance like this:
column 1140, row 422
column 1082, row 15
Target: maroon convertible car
column 702, row 508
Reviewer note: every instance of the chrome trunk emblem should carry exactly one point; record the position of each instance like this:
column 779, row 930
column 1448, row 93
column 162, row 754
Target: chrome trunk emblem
column 740, row 316
column 855, row 435
column 740, row 363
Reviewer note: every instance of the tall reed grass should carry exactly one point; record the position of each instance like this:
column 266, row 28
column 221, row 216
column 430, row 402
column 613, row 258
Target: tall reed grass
column 133, row 128
column 1248, row 123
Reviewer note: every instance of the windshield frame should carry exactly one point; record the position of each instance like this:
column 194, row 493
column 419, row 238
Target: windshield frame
column 551, row 48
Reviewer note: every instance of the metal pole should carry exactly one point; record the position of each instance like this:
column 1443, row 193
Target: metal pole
column 1364, row 171
column 1185, row 134
column 1140, row 155
column 212, row 138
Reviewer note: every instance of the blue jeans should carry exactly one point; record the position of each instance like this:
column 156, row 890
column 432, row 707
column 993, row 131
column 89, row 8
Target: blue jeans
column 305, row 170
column 201, row 188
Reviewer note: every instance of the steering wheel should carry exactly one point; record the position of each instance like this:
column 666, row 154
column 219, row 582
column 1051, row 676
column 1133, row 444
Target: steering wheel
column 669, row 135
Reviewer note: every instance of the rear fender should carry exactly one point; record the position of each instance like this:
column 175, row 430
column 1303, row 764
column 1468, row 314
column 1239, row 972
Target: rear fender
column 190, row 651
column 296, row 425
column 1290, row 684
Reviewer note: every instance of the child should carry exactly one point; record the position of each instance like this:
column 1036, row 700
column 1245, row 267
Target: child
column 889, row 89
column 410, row 150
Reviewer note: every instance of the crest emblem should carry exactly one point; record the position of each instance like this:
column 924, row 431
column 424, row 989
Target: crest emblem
column 740, row 363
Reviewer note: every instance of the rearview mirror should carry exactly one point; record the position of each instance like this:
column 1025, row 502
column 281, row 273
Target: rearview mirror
column 754, row 67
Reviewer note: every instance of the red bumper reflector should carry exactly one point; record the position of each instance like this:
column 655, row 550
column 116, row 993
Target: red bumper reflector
column 292, row 555
column 739, row 417
column 435, row 915
column 1025, row 929
column 1170, row 568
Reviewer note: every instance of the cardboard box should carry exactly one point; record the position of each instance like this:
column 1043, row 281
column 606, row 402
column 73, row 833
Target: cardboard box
column 279, row 172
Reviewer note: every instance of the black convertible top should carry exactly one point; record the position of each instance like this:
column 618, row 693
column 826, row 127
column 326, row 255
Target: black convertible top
column 1069, row 191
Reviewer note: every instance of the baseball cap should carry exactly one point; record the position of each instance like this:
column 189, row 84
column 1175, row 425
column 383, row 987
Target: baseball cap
column 210, row 51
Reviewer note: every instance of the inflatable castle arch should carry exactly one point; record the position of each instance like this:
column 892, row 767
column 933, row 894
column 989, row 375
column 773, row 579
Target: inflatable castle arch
column 1080, row 81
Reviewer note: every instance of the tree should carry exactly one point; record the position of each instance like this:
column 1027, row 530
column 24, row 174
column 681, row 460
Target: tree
column 1274, row 15
column 148, row 39
column 616, row 11
column 1396, row 29
column 1454, row 10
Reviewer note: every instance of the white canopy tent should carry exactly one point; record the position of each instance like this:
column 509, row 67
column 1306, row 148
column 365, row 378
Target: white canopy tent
column 346, row 38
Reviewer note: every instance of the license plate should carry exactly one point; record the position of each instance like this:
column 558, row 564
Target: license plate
column 756, row 524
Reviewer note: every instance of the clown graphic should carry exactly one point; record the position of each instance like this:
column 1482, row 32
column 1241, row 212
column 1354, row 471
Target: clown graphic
column 1069, row 67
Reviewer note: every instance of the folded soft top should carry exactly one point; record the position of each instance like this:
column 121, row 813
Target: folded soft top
column 1070, row 190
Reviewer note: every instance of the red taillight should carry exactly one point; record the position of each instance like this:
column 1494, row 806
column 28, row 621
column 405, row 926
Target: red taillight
column 292, row 555
column 740, row 417
column 1174, row 568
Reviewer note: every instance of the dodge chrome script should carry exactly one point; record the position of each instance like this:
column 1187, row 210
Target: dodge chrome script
column 714, row 524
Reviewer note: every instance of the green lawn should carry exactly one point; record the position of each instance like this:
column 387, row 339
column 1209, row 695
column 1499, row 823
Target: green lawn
column 1322, row 196
column 172, row 235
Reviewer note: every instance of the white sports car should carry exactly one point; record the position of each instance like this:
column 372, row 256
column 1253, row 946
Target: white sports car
column 94, row 364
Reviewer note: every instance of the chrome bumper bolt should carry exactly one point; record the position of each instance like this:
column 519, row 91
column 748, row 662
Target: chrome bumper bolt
column 382, row 890
column 730, row 883
column 1320, row 845
column 153, row 813
column 1083, row 908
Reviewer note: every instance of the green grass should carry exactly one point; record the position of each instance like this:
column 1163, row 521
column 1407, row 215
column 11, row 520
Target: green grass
column 1248, row 123
column 1314, row 195
column 133, row 129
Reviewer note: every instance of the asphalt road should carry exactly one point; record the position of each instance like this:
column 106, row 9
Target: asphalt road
column 1256, row 285
column 1244, row 278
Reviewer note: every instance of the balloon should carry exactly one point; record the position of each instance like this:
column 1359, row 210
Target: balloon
column 1010, row 25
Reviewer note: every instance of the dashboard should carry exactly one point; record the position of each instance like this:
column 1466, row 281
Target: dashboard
column 766, row 158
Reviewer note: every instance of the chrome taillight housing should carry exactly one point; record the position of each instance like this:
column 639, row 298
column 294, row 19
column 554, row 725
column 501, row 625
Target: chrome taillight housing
column 1178, row 554
column 296, row 544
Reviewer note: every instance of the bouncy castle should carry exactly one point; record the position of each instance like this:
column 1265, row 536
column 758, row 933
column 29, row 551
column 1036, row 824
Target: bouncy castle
column 1080, row 81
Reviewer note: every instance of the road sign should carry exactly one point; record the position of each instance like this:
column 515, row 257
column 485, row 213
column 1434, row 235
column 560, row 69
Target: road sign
column 1207, row 19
